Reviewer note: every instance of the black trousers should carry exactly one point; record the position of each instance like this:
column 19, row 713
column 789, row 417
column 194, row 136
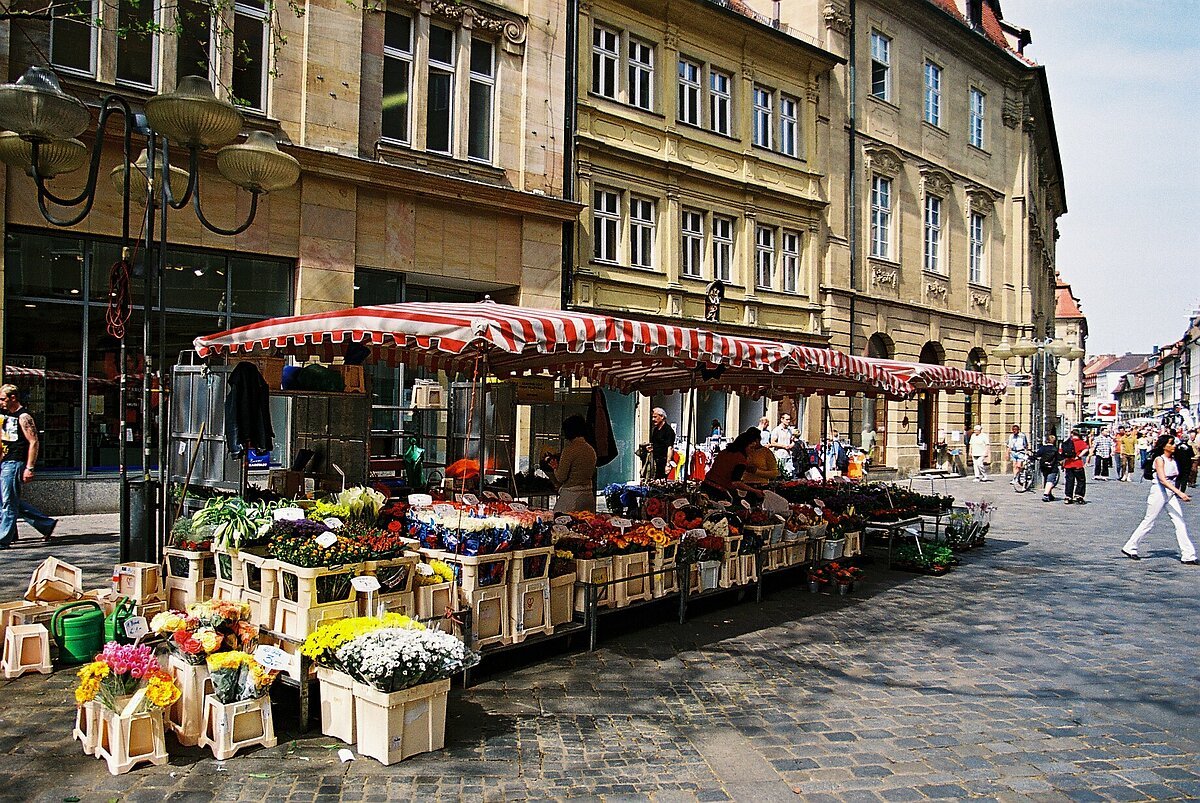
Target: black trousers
column 1103, row 466
column 1076, row 483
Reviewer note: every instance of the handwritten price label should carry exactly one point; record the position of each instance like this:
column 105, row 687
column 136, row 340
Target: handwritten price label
column 680, row 503
column 326, row 540
column 518, row 507
column 659, row 522
column 365, row 583
column 699, row 532
column 562, row 520
column 289, row 514
column 560, row 530
column 505, row 496
column 272, row 658
column 470, row 499
column 420, row 500
column 443, row 510
column 136, row 627
column 489, row 495
column 621, row 523
column 333, row 523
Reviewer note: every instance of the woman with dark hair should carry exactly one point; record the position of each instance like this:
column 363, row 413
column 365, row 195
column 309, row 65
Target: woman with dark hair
column 1164, row 492
column 575, row 470
column 725, row 476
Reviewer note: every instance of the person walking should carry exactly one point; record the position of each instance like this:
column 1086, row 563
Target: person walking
column 662, row 441
column 1018, row 451
column 1185, row 458
column 781, row 443
column 1104, row 449
column 981, row 452
column 1144, row 445
column 19, row 438
column 1074, row 451
column 1127, row 452
column 1164, row 492
column 1048, row 462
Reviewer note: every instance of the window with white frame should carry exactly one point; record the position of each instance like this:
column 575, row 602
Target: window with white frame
column 439, row 100
column 933, row 233
column 881, row 66
column 641, row 74
column 978, row 112
column 193, row 44
column 606, row 225
column 641, row 232
column 763, row 114
column 977, row 251
column 790, row 262
column 789, row 126
column 719, row 101
column 722, row 239
column 933, row 94
column 689, row 92
column 251, row 28
column 73, row 36
column 691, row 226
column 480, row 101
column 605, row 59
column 397, row 75
column 764, row 257
column 881, row 217
column 137, row 46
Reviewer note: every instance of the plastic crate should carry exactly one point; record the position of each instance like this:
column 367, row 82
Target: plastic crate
column 530, row 564
column 596, row 570
column 636, row 590
column 529, row 608
column 185, row 564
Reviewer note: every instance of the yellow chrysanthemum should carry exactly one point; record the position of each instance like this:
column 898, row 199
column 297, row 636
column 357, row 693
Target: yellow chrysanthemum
column 161, row 691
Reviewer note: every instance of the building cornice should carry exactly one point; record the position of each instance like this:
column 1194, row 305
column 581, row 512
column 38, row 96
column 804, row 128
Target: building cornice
column 428, row 184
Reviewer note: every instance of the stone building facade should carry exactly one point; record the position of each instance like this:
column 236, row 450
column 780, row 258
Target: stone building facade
column 430, row 136
column 1070, row 326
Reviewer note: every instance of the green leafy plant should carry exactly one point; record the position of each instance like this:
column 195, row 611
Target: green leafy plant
column 235, row 520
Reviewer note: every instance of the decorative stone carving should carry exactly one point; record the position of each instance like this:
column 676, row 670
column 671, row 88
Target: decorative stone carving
column 751, row 315
column 836, row 18
column 888, row 276
column 936, row 290
column 1013, row 109
column 980, row 199
column 883, row 160
column 675, row 304
column 512, row 30
column 671, row 38
column 980, row 299
column 936, row 182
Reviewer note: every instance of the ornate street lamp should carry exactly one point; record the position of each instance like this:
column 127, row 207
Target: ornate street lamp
column 1041, row 357
column 43, row 123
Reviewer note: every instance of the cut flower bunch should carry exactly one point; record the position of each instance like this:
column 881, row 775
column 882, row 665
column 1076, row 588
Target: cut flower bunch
column 395, row 658
column 236, row 676
column 122, row 671
column 323, row 643
column 206, row 628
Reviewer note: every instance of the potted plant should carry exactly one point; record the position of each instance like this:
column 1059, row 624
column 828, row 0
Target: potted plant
column 710, row 555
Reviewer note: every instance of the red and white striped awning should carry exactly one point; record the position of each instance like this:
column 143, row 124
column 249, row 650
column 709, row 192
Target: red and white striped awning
column 505, row 340
column 926, row 376
column 12, row 372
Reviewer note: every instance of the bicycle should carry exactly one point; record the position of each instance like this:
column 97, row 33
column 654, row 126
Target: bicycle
column 1026, row 476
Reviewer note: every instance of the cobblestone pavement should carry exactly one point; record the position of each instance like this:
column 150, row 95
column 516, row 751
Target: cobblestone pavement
column 1046, row 667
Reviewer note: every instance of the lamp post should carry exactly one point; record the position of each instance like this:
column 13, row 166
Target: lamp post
column 43, row 123
column 1038, row 357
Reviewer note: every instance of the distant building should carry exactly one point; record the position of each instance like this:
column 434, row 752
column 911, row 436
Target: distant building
column 1070, row 325
column 1102, row 374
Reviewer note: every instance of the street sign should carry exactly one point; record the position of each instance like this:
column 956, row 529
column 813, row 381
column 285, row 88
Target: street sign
column 1020, row 380
column 1106, row 410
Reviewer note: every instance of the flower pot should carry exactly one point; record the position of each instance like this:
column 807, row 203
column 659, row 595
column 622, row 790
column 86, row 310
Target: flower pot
column 814, row 587
column 125, row 740
column 710, row 574
column 337, row 704
column 394, row 726
column 228, row 727
column 843, row 589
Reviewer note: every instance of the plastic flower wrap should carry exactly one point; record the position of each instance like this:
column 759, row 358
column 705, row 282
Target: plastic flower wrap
column 391, row 659
column 207, row 628
column 120, row 672
column 434, row 572
column 236, row 676
column 323, row 642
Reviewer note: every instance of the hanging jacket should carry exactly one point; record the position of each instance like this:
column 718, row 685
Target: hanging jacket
column 248, row 411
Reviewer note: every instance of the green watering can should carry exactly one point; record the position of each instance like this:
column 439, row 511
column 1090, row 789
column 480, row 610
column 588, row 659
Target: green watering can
column 78, row 629
column 114, row 624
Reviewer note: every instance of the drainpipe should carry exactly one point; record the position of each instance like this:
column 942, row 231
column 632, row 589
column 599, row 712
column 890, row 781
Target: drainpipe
column 569, row 116
column 852, row 89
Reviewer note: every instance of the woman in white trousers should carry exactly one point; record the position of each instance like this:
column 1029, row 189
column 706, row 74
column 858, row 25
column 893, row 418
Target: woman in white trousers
column 1164, row 493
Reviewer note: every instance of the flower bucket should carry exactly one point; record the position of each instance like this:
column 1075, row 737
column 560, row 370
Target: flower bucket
column 125, row 740
column 394, row 726
column 87, row 725
column 710, row 574
column 186, row 715
column 814, row 587
column 229, row 727
column 843, row 589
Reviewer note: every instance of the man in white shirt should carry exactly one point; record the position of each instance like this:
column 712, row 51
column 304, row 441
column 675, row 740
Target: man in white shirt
column 1018, row 450
column 782, row 437
column 981, row 450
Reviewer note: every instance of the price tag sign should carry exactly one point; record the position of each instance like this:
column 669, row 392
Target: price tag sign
column 127, row 571
column 562, row 519
column 621, row 523
column 420, row 500
column 518, row 507
column 272, row 658
column 365, row 583
column 724, row 503
column 333, row 523
column 699, row 532
column 658, row 522
column 443, row 509
column 262, row 528
column 680, row 503
column 289, row 514
column 326, row 540
column 489, row 495
column 136, row 627
column 505, row 496
column 560, row 530
column 470, row 499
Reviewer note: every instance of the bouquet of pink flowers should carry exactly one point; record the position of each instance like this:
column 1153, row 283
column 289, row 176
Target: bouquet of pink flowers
column 122, row 671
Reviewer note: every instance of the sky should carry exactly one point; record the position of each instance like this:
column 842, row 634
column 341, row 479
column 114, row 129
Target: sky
column 1124, row 81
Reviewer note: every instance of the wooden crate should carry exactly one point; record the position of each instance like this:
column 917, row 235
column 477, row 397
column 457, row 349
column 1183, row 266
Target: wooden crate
column 731, row 572
column 561, row 594
column 813, row 548
column 58, row 572
column 6, row 611
column 402, row 603
column 530, row 564
column 35, row 613
column 296, row 621
column 397, row 577
column 260, row 574
column 490, row 621
column 853, row 544
column 228, row 566
column 230, row 727
column 636, row 590
column 337, row 704
column 26, row 649
column 227, row 592
column 666, row 578
column 262, row 607
column 141, row 582
column 479, row 571
column 596, row 570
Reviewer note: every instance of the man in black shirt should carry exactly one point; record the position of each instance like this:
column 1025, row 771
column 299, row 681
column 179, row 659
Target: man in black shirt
column 19, row 439
column 662, row 440
column 1048, row 460
column 1184, row 457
